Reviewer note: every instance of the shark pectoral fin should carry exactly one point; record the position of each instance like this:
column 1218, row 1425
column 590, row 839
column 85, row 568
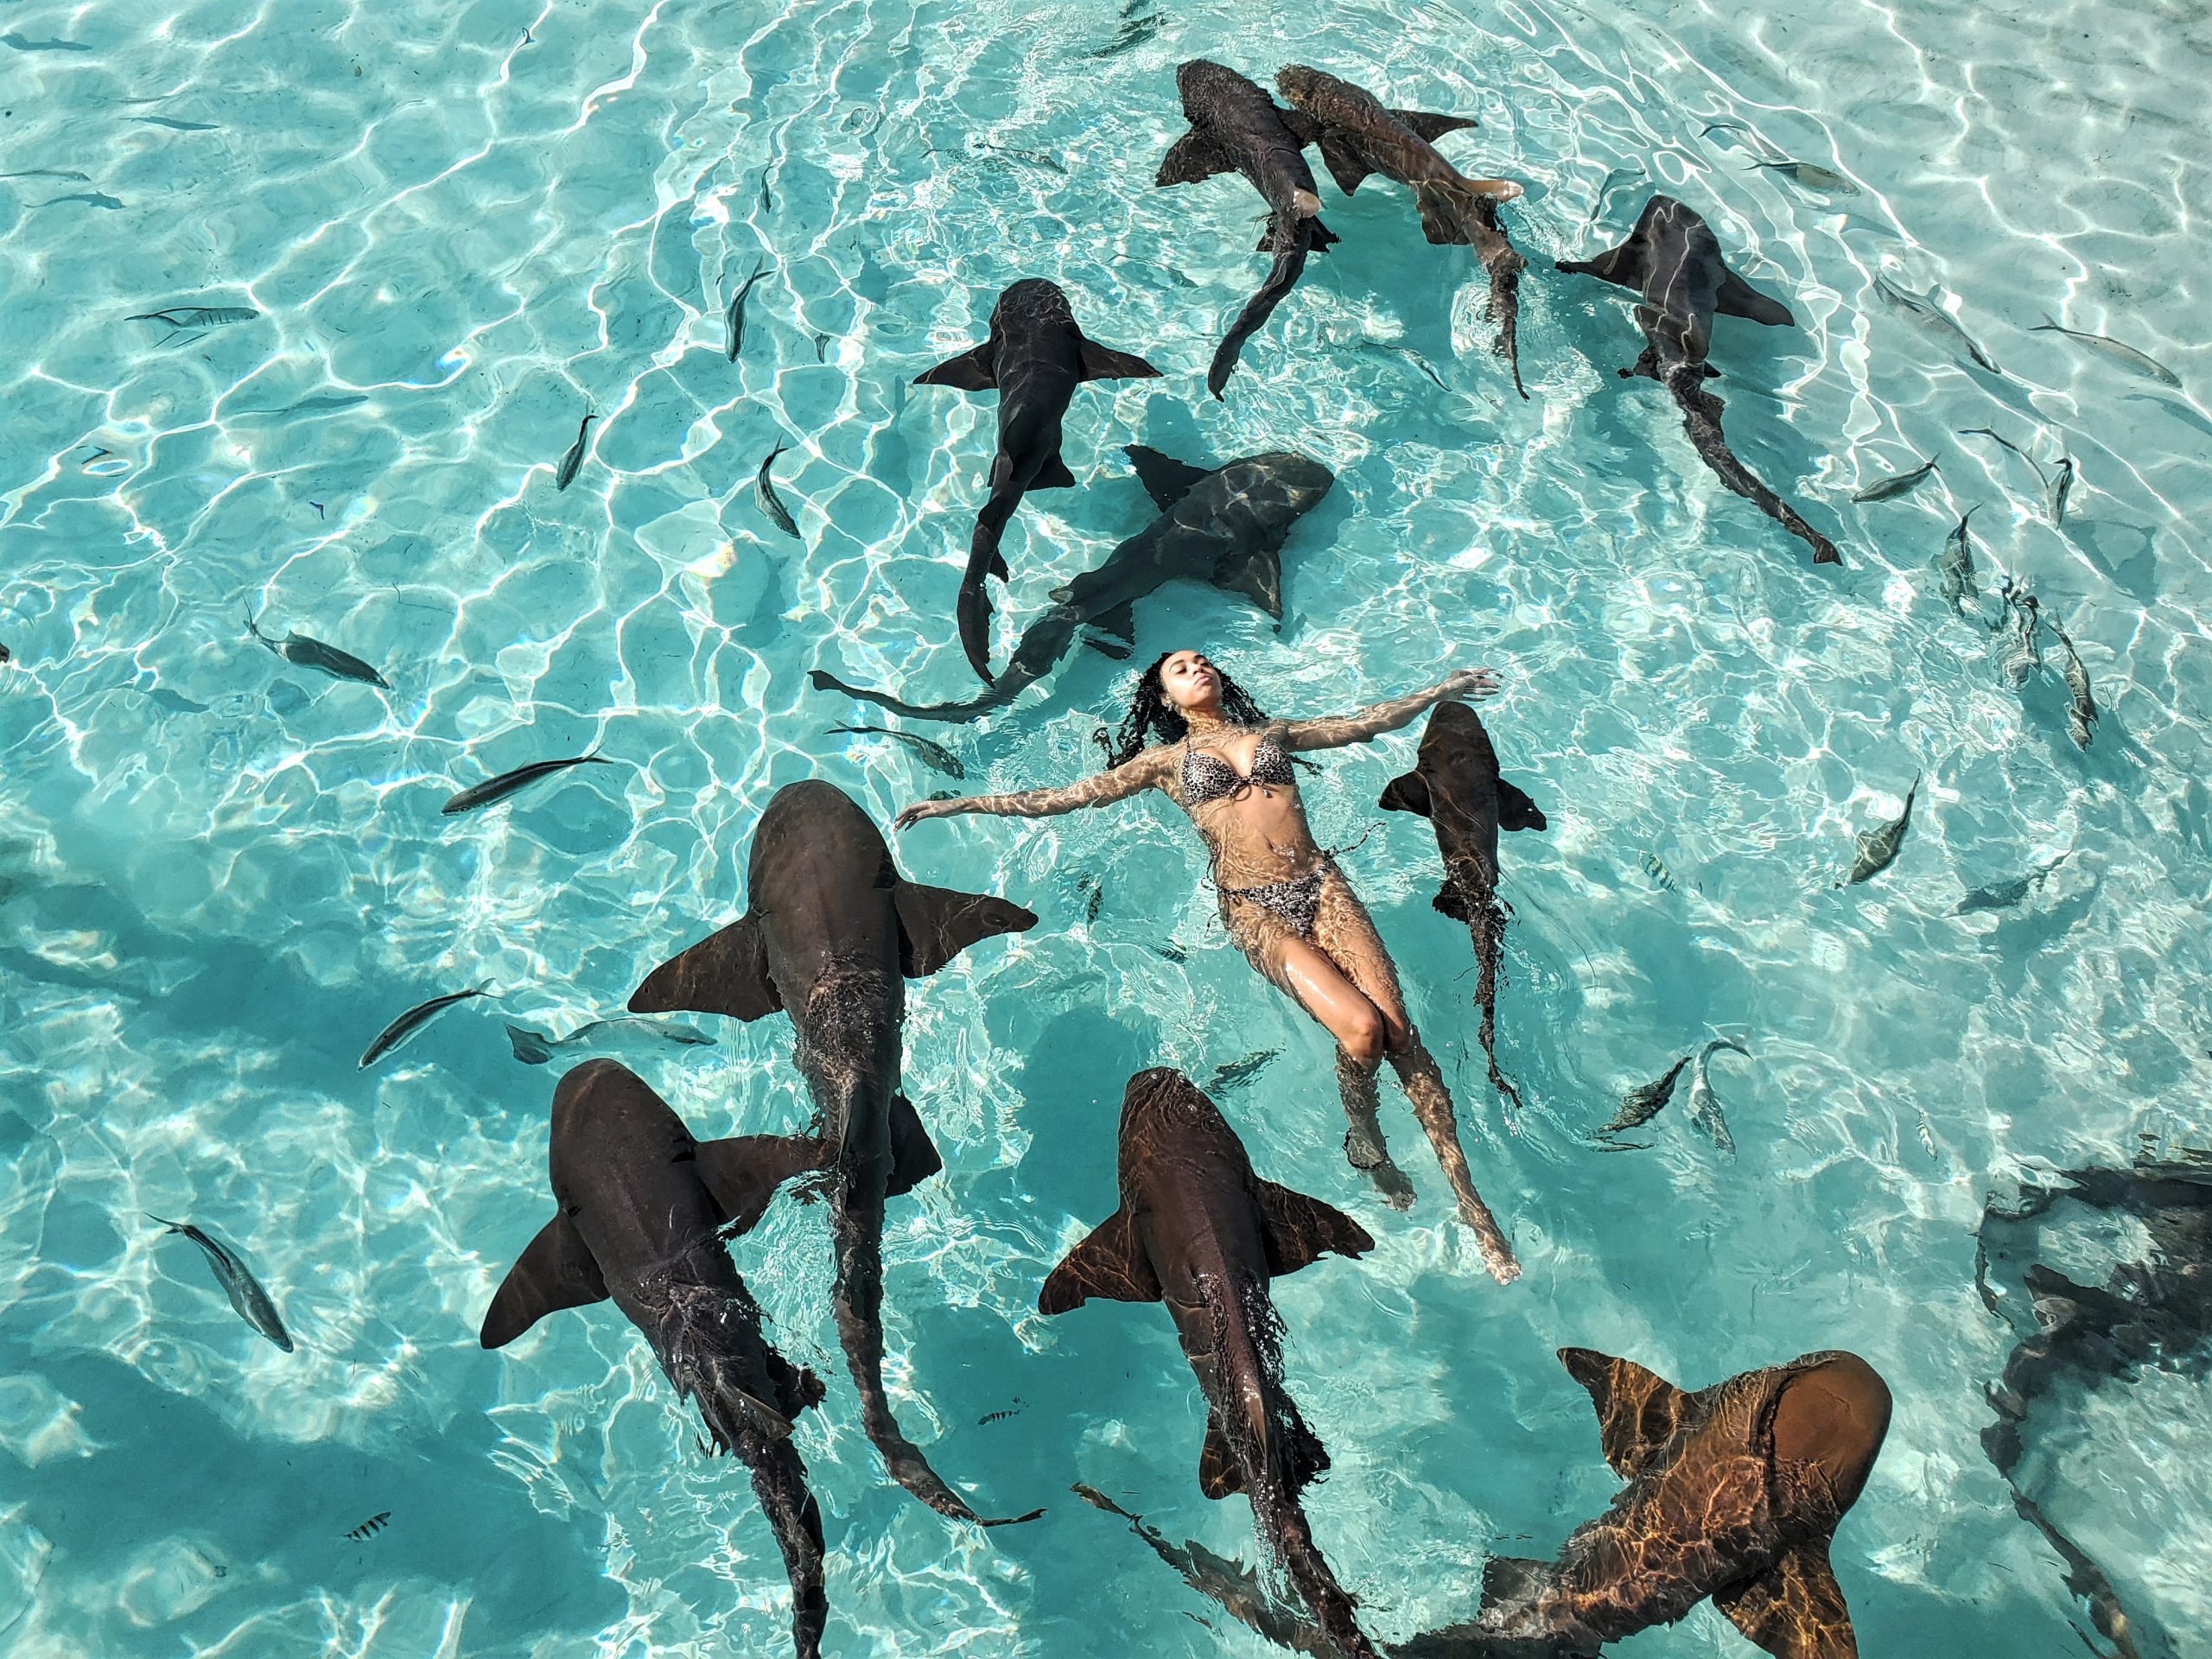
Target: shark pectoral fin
column 1320, row 237
column 1450, row 901
column 744, row 1171
column 1299, row 1230
column 1795, row 1609
column 975, row 369
column 1257, row 575
column 1625, row 266
column 1517, row 812
column 1737, row 298
column 1406, row 792
column 1165, row 479
column 1299, row 126
column 1119, row 625
column 1191, row 157
column 1105, row 363
column 1511, row 1583
column 1052, row 475
column 555, row 1270
column 1638, row 1410
column 913, row 1155
column 937, row 924
column 726, row 973
column 1443, row 215
column 1346, row 168
column 1218, row 1474
column 1432, row 126
column 1110, row 1263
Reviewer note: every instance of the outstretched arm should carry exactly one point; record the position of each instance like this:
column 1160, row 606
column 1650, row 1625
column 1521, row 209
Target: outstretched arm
column 1118, row 785
column 1336, row 730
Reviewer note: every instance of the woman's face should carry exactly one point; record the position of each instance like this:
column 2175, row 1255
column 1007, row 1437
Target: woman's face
column 1190, row 681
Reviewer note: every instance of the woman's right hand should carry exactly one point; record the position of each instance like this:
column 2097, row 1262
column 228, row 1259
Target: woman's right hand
column 920, row 810
column 1473, row 683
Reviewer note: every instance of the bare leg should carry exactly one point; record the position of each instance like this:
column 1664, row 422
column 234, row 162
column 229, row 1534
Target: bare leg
column 1345, row 930
column 1313, row 981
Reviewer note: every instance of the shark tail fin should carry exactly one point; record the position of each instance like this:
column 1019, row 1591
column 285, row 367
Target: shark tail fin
column 1795, row 1609
column 726, row 973
column 1638, row 1410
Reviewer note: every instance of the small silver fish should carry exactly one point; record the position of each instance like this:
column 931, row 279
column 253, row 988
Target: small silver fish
column 934, row 755
column 497, row 788
column 1927, row 312
column 1236, row 1073
column 565, row 473
column 1956, row 563
column 175, row 125
column 50, row 173
column 1885, row 489
column 1659, row 872
column 1812, row 176
column 2081, row 716
column 1877, row 848
column 1986, row 432
column 1642, row 1105
column 1094, row 894
column 313, row 653
column 735, row 316
column 770, row 503
column 2002, row 895
column 2060, row 486
column 2126, row 356
column 1704, row 1104
column 534, row 1048
column 180, row 317
column 2024, row 651
column 402, row 1030
column 247, row 1297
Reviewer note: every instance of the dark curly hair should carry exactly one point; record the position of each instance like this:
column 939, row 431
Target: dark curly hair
column 1150, row 712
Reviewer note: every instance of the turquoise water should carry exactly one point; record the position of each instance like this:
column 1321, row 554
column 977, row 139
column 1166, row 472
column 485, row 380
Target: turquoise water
column 466, row 226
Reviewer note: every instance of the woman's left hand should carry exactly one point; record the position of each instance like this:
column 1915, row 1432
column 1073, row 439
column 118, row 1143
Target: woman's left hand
column 1473, row 683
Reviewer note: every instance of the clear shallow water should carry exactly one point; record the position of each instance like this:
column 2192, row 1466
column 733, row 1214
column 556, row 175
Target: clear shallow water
column 220, row 875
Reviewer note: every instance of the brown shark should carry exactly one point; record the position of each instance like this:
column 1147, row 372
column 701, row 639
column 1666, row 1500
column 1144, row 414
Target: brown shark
column 1455, row 786
column 1734, row 1493
column 1356, row 136
column 1198, row 1230
column 644, row 1211
column 833, row 933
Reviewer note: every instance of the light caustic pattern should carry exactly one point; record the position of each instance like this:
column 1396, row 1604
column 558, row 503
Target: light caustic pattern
column 466, row 226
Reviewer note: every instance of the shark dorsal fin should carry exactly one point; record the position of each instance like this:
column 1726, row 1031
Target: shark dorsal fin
column 937, row 924
column 1165, row 479
column 1638, row 1410
column 1795, row 1609
column 914, row 1156
column 1110, row 1263
column 726, row 973
column 1299, row 1230
column 1406, row 792
column 974, row 370
column 1218, row 1474
column 744, row 1171
column 555, row 1270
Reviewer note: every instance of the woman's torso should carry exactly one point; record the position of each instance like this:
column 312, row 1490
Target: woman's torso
column 1237, row 787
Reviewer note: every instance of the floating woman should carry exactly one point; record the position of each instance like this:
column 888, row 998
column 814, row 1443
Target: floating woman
column 1286, row 904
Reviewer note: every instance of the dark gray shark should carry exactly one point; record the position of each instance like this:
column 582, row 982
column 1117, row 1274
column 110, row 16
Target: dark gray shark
column 1035, row 358
column 1456, row 786
column 644, row 1210
column 1199, row 1232
column 1235, row 127
column 831, row 937
column 1225, row 527
column 1674, row 261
